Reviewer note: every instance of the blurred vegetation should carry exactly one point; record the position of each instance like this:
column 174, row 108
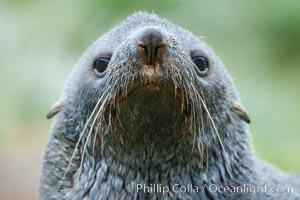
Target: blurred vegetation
column 259, row 41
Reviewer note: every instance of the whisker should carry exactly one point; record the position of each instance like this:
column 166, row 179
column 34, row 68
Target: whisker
column 213, row 123
column 90, row 131
column 94, row 145
column 202, row 130
column 87, row 141
column 79, row 139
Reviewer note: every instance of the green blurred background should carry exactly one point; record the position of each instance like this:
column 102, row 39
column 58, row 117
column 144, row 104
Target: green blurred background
column 40, row 41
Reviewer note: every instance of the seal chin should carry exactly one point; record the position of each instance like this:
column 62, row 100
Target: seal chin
column 153, row 108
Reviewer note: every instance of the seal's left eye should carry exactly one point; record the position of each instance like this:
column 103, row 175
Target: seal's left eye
column 100, row 66
column 202, row 65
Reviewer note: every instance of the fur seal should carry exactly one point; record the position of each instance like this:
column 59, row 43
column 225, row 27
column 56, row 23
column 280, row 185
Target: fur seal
column 150, row 112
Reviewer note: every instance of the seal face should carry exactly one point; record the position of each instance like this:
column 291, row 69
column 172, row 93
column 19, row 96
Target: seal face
column 149, row 104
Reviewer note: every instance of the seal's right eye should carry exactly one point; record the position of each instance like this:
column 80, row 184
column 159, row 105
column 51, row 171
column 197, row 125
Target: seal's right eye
column 100, row 66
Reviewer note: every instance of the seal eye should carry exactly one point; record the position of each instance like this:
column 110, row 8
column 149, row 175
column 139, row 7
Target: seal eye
column 202, row 65
column 100, row 66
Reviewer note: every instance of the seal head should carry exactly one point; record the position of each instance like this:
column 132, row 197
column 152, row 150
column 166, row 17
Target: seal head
column 148, row 103
column 145, row 95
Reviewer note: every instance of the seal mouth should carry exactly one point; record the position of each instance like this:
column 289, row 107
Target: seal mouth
column 151, row 87
column 156, row 107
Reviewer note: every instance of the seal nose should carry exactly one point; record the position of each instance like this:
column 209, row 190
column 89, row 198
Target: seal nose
column 150, row 40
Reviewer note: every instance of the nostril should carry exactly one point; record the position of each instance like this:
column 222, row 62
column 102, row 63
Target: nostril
column 144, row 48
column 151, row 39
column 156, row 50
column 151, row 52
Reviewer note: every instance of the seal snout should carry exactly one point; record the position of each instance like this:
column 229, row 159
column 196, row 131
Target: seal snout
column 150, row 42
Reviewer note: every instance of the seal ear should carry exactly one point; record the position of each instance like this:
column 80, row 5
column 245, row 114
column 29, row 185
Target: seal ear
column 55, row 108
column 238, row 109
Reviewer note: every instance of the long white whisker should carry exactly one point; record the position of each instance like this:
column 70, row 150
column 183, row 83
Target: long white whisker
column 78, row 142
column 89, row 134
column 212, row 121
